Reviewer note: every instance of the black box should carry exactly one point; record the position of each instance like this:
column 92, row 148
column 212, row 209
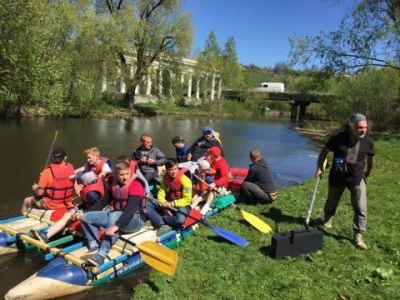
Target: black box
column 296, row 242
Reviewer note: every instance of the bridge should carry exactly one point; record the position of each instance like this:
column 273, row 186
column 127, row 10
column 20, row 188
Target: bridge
column 297, row 101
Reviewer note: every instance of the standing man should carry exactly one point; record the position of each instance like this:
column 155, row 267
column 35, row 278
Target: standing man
column 151, row 160
column 350, row 148
column 259, row 185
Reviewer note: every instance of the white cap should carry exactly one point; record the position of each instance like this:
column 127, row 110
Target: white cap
column 203, row 164
column 88, row 177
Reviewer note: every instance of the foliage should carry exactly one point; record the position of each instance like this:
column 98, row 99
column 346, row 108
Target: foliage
column 368, row 36
column 210, row 268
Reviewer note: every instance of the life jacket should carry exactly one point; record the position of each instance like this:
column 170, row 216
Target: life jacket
column 120, row 194
column 97, row 168
column 98, row 187
column 200, row 185
column 61, row 190
column 174, row 185
column 133, row 165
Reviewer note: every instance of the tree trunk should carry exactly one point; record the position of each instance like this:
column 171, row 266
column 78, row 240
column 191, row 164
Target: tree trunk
column 130, row 97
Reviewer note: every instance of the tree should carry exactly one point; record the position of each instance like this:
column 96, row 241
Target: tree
column 231, row 72
column 368, row 36
column 148, row 31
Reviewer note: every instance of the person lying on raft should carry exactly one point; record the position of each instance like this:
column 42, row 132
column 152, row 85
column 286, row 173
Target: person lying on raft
column 55, row 188
column 93, row 191
column 201, row 190
column 221, row 176
column 127, row 194
column 101, row 166
column 175, row 191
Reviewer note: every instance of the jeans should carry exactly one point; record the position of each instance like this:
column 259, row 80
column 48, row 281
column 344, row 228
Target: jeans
column 157, row 218
column 358, row 200
column 253, row 193
column 93, row 221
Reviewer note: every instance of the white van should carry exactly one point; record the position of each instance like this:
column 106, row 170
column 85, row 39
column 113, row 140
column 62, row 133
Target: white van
column 272, row 87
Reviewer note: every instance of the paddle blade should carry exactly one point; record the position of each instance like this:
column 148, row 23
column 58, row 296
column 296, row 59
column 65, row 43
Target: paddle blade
column 159, row 257
column 230, row 236
column 192, row 218
column 256, row 222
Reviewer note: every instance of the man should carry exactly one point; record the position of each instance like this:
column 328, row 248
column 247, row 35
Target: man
column 350, row 148
column 55, row 188
column 180, row 148
column 202, row 144
column 175, row 191
column 126, row 193
column 259, row 185
column 221, row 176
column 151, row 160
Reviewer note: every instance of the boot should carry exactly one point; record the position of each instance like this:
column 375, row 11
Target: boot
column 328, row 221
column 359, row 242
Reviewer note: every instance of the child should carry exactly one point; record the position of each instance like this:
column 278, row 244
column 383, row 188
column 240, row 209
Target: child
column 201, row 186
column 180, row 148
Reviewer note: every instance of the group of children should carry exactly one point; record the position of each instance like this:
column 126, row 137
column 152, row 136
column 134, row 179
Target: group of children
column 117, row 198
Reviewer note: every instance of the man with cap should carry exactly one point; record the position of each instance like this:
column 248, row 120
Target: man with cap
column 350, row 147
column 180, row 148
column 259, row 185
column 202, row 144
column 55, row 188
column 221, row 176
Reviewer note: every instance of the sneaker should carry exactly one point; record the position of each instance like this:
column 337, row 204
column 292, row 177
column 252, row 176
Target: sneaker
column 147, row 224
column 96, row 260
column 205, row 208
column 163, row 230
column 40, row 236
column 92, row 252
column 328, row 221
column 359, row 242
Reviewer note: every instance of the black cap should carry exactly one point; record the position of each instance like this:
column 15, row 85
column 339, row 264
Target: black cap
column 59, row 154
column 177, row 139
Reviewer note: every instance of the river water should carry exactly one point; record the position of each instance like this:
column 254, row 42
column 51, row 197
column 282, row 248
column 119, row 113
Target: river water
column 25, row 146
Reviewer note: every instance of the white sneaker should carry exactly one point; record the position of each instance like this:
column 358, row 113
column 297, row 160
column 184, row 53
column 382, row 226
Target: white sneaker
column 205, row 208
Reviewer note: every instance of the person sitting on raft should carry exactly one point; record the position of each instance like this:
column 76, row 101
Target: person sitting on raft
column 135, row 170
column 127, row 194
column 199, row 148
column 101, row 166
column 175, row 191
column 93, row 190
column 221, row 176
column 55, row 188
column 201, row 190
column 181, row 149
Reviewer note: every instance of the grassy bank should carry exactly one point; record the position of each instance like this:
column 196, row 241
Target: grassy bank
column 210, row 268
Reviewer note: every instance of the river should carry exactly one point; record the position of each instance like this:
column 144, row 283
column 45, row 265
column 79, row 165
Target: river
column 25, row 146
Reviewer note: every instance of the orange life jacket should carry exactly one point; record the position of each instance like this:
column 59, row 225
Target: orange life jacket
column 120, row 194
column 98, row 187
column 174, row 185
column 97, row 168
column 61, row 190
column 200, row 185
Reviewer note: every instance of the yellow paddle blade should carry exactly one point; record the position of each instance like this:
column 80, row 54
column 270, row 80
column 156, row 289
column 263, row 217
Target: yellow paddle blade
column 159, row 257
column 256, row 222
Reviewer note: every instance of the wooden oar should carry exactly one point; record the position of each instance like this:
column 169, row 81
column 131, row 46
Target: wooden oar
column 252, row 219
column 226, row 234
column 155, row 255
column 51, row 149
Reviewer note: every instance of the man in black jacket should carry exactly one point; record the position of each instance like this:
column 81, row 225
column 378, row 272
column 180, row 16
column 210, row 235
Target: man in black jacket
column 259, row 185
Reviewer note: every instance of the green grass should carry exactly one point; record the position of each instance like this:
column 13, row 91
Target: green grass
column 210, row 268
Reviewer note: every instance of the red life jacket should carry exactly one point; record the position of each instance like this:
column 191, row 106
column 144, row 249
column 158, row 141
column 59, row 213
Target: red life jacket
column 97, row 168
column 133, row 165
column 120, row 194
column 61, row 190
column 98, row 187
column 200, row 185
column 174, row 185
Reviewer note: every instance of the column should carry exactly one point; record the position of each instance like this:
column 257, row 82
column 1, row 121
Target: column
column 160, row 82
column 198, row 87
column 148, row 84
column 219, row 88
column 189, row 91
column 293, row 110
column 212, row 87
column 172, row 76
column 104, row 83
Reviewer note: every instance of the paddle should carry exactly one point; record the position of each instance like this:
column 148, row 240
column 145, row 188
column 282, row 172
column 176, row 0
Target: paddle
column 313, row 196
column 226, row 234
column 51, row 148
column 155, row 255
column 252, row 219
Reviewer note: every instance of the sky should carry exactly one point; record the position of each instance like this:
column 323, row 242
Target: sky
column 262, row 28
